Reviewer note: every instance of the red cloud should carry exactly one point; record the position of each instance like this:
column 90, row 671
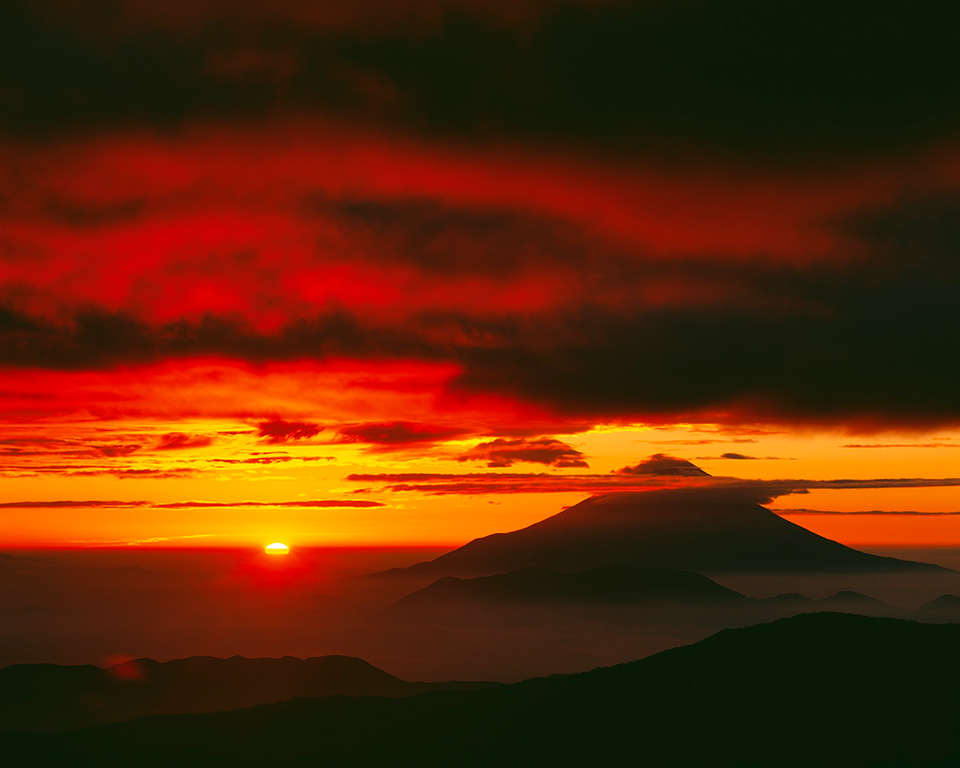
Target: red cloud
column 542, row 450
column 281, row 431
column 183, row 207
column 177, row 440
column 483, row 483
column 396, row 433
column 112, row 451
column 664, row 465
column 312, row 504
column 80, row 504
column 345, row 391
column 546, row 279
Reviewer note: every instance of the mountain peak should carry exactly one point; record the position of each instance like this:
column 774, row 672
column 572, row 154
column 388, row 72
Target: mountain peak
column 663, row 465
column 706, row 528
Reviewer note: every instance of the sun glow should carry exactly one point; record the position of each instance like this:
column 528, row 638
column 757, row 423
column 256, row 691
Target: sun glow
column 277, row 549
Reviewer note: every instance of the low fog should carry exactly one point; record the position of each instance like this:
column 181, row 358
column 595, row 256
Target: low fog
column 101, row 606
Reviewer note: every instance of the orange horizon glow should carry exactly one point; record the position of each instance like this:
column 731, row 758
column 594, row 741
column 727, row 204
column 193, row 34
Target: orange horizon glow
column 224, row 483
column 155, row 514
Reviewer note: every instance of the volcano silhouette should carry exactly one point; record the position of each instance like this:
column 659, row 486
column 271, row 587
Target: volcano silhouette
column 712, row 529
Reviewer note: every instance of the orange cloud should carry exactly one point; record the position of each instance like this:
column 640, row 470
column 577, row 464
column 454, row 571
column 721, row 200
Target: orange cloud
column 504, row 452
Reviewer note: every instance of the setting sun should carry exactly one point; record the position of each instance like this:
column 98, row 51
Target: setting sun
column 277, row 549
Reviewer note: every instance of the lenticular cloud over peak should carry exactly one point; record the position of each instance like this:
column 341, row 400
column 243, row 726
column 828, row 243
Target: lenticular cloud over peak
column 662, row 464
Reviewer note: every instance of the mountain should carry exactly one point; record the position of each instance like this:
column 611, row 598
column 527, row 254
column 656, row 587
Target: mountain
column 943, row 603
column 847, row 598
column 945, row 608
column 706, row 529
column 612, row 585
column 818, row 689
column 51, row 697
column 542, row 596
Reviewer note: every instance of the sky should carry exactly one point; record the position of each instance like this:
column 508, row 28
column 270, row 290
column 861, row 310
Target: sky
column 412, row 273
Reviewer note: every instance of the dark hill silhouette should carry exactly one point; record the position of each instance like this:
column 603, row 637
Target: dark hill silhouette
column 944, row 602
column 789, row 598
column 945, row 608
column 817, row 689
column 846, row 597
column 708, row 529
column 53, row 697
column 532, row 595
column 615, row 585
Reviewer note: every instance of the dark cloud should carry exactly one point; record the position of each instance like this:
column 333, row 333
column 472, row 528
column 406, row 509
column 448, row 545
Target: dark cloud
column 487, row 241
column 663, row 465
column 703, row 441
column 702, row 495
column 57, row 468
column 729, row 77
column 905, row 513
column 273, row 459
column 841, row 349
column 82, row 214
column 101, row 339
column 60, row 448
column 482, row 483
column 432, row 476
column 726, row 75
column 837, row 348
column 25, row 452
column 66, row 504
column 89, row 503
column 123, row 474
column 396, row 433
column 282, row 431
column 900, row 482
column 176, row 441
column 119, row 449
column 727, row 334
column 937, row 444
column 739, row 457
column 312, row 504
column 39, row 442
column 510, row 482
column 504, row 452
column 255, row 460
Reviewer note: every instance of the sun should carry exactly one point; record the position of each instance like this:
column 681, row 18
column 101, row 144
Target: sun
column 277, row 549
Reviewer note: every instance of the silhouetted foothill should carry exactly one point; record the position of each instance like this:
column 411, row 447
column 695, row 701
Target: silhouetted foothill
column 612, row 585
column 814, row 690
column 49, row 697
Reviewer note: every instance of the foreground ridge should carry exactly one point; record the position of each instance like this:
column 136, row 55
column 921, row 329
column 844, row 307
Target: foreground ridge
column 808, row 690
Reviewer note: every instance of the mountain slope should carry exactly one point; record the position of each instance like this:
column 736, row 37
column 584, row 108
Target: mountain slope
column 613, row 585
column 943, row 603
column 52, row 697
column 618, row 585
column 708, row 529
column 819, row 689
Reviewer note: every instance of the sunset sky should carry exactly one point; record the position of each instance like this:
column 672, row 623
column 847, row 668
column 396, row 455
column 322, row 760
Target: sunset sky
column 381, row 272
